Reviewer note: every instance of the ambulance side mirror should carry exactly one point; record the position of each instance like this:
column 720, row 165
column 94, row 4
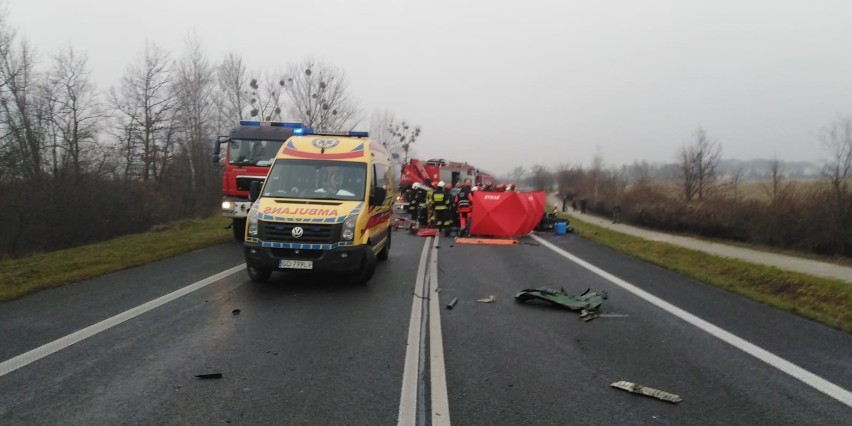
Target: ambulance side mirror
column 254, row 190
column 377, row 198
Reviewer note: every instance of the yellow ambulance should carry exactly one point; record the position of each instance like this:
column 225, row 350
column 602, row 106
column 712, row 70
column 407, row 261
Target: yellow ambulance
column 325, row 206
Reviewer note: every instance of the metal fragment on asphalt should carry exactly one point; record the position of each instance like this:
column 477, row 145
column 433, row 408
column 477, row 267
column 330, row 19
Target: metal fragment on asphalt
column 452, row 303
column 643, row 390
column 209, row 376
column 489, row 299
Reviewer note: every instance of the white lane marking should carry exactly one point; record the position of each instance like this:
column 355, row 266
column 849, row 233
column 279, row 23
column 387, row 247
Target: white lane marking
column 788, row 367
column 438, row 383
column 57, row 345
column 408, row 395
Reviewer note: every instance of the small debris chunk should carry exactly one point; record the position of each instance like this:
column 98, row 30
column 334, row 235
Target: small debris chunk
column 489, row 299
column 210, row 376
column 452, row 303
column 642, row 390
column 236, row 312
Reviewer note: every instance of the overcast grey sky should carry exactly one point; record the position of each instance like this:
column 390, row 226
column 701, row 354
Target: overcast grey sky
column 501, row 84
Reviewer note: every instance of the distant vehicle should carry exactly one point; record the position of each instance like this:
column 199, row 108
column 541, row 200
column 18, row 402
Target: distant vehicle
column 437, row 170
column 249, row 151
column 324, row 206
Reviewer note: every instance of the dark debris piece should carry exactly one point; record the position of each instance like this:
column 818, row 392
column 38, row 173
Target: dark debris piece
column 210, row 376
column 236, row 312
column 589, row 301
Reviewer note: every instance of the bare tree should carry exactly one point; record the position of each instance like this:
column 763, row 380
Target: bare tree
column 698, row 165
column 382, row 131
column 266, row 98
column 78, row 111
column 147, row 99
column 319, row 96
column 541, row 178
column 596, row 174
column 194, row 84
column 233, row 81
column 23, row 118
column 405, row 135
column 518, row 174
column 776, row 188
column 837, row 138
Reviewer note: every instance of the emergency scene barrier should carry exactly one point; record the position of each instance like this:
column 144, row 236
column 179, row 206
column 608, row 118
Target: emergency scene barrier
column 506, row 214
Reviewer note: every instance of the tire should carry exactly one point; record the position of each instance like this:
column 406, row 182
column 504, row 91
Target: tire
column 368, row 267
column 383, row 255
column 258, row 275
column 239, row 228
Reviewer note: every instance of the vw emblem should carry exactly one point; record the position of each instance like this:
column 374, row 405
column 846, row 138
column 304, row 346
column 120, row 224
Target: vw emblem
column 297, row 232
column 325, row 143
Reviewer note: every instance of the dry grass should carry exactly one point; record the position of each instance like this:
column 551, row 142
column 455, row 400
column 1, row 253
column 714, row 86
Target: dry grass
column 824, row 300
column 19, row 277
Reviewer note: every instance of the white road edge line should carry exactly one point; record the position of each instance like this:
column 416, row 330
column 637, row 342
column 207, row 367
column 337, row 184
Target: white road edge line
column 438, row 381
column 785, row 366
column 57, row 345
column 408, row 395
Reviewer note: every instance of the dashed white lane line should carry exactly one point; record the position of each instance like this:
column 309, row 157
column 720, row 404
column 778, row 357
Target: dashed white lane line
column 57, row 345
column 408, row 396
column 438, row 380
column 788, row 367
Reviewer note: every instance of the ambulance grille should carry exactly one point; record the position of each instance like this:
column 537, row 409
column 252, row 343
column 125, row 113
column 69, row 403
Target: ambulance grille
column 311, row 233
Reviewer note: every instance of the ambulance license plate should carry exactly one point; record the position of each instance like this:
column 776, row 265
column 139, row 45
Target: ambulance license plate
column 296, row 264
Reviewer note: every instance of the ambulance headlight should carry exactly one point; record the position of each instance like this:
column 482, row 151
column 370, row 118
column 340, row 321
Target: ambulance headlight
column 227, row 205
column 252, row 223
column 349, row 228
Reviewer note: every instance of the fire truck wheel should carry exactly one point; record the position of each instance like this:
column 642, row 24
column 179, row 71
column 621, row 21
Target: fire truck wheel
column 258, row 275
column 383, row 255
column 239, row 228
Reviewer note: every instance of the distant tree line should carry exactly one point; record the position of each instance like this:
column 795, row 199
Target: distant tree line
column 692, row 196
column 79, row 164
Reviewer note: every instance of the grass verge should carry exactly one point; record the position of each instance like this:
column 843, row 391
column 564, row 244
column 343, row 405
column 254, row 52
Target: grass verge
column 820, row 299
column 19, row 277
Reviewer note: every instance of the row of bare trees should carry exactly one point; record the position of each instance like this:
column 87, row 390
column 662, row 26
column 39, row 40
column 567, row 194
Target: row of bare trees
column 79, row 164
column 692, row 196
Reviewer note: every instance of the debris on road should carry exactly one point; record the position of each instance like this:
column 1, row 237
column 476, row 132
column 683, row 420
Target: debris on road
column 235, row 312
column 642, row 390
column 589, row 301
column 452, row 303
column 489, row 241
column 588, row 315
column 209, row 376
column 489, row 299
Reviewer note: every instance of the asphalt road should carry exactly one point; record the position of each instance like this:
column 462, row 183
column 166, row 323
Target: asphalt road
column 310, row 350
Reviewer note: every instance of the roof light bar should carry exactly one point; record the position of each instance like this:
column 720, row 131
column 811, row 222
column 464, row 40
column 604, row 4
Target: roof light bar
column 271, row 123
column 305, row 131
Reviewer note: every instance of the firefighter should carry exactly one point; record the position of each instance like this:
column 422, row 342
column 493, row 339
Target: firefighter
column 441, row 205
column 464, row 205
column 489, row 186
column 421, row 199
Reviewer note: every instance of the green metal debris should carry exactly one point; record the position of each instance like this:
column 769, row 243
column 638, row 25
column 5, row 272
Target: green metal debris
column 589, row 301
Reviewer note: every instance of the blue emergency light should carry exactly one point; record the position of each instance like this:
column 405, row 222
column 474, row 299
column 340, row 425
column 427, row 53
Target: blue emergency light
column 272, row 124
column 305, row 131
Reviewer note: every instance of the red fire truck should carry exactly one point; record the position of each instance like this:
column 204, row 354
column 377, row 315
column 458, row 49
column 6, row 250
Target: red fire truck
column 249, row 150
column 437, row 170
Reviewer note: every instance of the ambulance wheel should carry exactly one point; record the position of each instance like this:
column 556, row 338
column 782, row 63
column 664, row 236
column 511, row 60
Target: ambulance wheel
column 258, row 275
column 383, row 255
column 239, row 228
column 368, row 267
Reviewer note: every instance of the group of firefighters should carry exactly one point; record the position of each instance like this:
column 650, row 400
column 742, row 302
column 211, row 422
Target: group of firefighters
column 444, row 206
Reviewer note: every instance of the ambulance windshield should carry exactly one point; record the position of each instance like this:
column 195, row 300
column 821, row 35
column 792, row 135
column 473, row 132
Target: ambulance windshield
column 317, row 179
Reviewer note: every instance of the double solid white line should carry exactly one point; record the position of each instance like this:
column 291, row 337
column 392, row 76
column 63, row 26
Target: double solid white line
column 426, row 286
